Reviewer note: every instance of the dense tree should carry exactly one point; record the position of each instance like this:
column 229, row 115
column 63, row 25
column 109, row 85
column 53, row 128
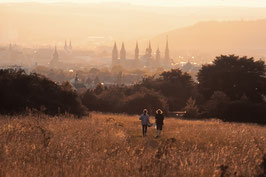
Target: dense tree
column 235, row 76
column 145, row 98
column 175, row 85
column 122, row 99
column 217, row 105
column 20, row 91
column 234, row 89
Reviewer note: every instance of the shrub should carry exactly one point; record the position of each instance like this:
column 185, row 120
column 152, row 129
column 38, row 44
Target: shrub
column 90, row 100
column 191, row 109
column 217, row 105
column 148, row 99
column 174, row 85
column 20, row 91
column 243, row 111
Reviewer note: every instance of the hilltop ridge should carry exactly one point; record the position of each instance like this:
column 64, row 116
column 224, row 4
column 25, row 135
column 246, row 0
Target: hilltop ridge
column 218, row 37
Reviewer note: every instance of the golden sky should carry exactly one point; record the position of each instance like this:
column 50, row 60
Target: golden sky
column 95, row 24
column 246, row 3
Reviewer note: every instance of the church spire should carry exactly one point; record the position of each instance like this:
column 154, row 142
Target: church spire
column 137, row 52
column 115, row 52
column 167, row 53
column 10, row 46
column 158, row 55
column 149, row 51
column 55, row 54
column 55, row 58
column 65, row 47
column 123, row 52
column 70, row 45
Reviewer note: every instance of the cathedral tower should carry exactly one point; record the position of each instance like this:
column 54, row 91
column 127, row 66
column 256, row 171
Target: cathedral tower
column 158, row 56
column 55, row 54
column 114, row 55
column 65, row 47
column 149, row 51
column 55, row 58
column 123, row 52
column 137, row 52
column 167, row 53
column 70, row 45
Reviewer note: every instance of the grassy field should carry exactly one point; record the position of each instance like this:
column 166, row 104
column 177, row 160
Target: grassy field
column 112, row 145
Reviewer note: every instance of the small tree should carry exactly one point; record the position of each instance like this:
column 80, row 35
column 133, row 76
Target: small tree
column 191, row 109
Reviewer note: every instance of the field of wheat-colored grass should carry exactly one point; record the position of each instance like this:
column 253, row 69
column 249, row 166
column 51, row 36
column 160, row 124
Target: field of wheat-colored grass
column 112, row 145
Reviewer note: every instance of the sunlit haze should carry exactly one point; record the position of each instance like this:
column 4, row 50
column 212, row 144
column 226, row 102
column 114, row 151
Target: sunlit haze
column 247, row 3
column 192, row 26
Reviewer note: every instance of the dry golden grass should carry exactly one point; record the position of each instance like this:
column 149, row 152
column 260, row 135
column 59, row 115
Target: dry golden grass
column 112, row 145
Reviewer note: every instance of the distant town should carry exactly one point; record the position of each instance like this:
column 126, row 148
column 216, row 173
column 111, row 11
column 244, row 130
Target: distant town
column 85, row 69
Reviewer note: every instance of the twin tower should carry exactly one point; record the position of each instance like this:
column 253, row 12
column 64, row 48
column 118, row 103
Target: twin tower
column 148, row 59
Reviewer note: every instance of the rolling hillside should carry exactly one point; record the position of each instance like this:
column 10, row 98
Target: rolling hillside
column 215, row 38
column 112, row 145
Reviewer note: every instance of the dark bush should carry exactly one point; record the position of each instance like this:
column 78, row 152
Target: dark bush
column 242, row 111
column 174, row 85
column 104, row 99
column 191, row 109
column 91, row 101
column 148, row 99
column 112, row 99
column 217, row 105
column 121, row 99
column 20, row 91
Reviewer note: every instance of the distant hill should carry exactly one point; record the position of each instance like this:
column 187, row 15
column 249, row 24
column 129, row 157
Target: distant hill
column 206, row 39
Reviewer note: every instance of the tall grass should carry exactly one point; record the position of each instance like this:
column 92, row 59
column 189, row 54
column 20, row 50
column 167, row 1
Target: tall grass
column 112, row 145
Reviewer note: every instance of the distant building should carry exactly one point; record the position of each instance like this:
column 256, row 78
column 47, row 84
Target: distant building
column 167, row 60
column 68, row 48
column 123, row 53
column 115, row 60
column 146, row 60
column 158, row 57
column 77, row 84
column 137, row 52
column 55, row 58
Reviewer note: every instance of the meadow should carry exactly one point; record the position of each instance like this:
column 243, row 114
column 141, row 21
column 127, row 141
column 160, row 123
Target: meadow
column 112, row 145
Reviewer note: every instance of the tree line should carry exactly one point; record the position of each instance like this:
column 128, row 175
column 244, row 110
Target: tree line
column 232, row 88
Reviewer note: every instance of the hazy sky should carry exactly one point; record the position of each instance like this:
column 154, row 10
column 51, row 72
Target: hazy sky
column 246, row 3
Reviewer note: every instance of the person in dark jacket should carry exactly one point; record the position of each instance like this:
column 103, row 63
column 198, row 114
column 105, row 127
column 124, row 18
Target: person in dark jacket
column 159, row 121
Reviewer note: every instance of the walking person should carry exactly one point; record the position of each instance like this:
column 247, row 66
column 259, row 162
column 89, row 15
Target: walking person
column 145, row 121
column 159, row 121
